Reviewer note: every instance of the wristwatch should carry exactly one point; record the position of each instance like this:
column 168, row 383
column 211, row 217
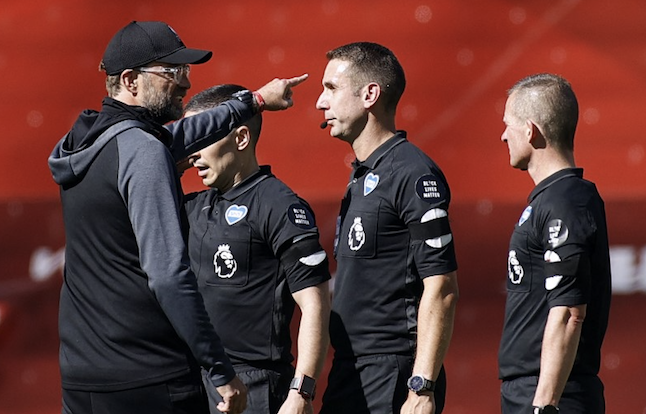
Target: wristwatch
column 247, row 97
column 304, row 385
column 418, row 384
column 546, row 409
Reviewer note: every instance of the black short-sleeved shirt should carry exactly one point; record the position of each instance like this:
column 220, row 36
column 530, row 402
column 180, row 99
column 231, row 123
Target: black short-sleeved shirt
column 235, row 245
column 392, row 232
column 558, row 256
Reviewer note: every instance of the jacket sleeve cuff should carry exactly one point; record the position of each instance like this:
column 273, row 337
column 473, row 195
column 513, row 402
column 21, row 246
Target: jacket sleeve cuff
column 221, row 374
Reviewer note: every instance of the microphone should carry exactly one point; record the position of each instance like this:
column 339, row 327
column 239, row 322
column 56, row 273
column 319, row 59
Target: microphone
column 323, row 124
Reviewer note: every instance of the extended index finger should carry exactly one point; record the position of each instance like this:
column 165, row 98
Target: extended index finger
column 296, row 80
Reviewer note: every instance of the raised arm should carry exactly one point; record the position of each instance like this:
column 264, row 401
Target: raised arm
column 196, row 132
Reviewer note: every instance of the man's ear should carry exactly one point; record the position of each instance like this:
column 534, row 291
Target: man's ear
column 370, row 94
column 535, row 136
column 129, row 80
column 243, row 137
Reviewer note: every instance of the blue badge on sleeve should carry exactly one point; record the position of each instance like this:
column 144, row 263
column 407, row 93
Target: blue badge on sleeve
column 430, row 189
column 300, row 216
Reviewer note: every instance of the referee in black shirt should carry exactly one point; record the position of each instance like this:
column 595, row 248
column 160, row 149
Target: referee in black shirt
column 395, row 289
column 254, row 247
column 558, row 285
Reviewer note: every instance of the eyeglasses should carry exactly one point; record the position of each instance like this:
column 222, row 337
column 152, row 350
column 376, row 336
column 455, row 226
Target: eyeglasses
column 178, row 72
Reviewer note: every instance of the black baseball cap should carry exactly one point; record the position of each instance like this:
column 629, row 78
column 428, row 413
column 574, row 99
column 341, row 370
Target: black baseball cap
column 140, row 43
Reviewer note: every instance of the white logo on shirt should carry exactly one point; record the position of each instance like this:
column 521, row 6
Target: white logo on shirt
column 356, row 236
column 224, row 262
column 514, row 268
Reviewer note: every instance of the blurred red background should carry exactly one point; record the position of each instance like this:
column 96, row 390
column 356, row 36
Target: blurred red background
column 460, row 57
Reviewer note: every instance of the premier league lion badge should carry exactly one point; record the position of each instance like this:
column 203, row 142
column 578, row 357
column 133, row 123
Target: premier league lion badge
column 224, row 262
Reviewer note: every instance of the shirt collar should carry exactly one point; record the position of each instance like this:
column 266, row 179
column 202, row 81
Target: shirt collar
column 557, row 176
column 248, row 183
column 376, row 156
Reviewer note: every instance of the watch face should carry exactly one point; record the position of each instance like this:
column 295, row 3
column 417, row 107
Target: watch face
column 416, row 383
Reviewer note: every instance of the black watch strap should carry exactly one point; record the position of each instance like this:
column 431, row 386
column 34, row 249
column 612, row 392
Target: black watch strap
column 418, row 384
column 546, row 409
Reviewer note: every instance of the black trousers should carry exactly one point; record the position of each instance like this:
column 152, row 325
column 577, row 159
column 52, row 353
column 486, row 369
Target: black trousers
column 373, row 385
column 582, row 395
column 179, row 396
column 267, row 387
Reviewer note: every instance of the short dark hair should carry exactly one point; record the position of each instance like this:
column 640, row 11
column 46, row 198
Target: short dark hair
column 372, row 62
column 113, row 85
column 214, row 96
column 549, row 101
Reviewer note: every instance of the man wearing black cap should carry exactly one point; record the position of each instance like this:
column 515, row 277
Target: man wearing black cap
column 133, row 327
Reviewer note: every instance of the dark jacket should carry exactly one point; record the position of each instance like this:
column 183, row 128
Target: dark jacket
column 130, row 314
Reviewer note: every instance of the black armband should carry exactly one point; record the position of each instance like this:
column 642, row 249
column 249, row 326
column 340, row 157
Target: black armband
column 568, row 267
column 307, row 251
column 431, row 229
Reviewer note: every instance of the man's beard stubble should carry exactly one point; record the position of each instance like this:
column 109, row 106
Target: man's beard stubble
column 160, row 103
